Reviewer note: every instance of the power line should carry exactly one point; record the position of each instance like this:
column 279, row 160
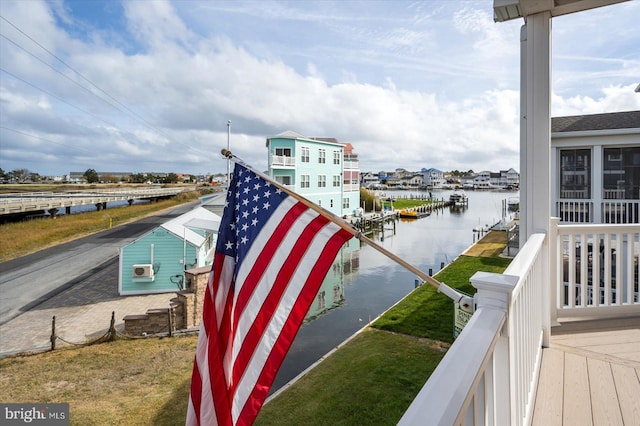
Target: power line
column 44, row 139
column 57, row 97
column 129, row 111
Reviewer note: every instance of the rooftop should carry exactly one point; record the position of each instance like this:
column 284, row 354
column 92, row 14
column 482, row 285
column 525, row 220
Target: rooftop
column 607, row 121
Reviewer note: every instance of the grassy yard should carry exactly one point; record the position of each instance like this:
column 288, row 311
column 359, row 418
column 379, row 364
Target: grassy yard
column 126, row 382
column 372, row 379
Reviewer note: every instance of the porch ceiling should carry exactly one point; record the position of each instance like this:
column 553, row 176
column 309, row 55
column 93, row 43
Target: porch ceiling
column 505, row 10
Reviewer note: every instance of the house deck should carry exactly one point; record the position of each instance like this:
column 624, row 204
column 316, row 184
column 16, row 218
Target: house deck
column 590, row 374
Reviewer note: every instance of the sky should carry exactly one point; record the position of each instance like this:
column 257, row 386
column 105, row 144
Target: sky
column 149, row 86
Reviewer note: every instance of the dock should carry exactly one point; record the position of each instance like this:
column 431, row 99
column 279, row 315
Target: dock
column 375, row 221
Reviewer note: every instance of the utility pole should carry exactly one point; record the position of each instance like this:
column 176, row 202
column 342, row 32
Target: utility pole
column 228, row 149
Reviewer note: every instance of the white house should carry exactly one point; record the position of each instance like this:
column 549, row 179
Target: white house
column 433, row 178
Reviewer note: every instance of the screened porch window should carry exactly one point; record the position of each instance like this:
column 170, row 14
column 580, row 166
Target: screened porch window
column 575, row 173
column 621, row 173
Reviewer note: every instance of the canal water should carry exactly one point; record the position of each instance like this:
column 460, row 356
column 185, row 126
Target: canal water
column 364, row 283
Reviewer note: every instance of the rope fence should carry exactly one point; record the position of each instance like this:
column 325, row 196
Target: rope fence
column 110, row 335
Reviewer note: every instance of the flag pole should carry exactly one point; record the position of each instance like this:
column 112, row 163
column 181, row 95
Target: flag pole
column 464, row 301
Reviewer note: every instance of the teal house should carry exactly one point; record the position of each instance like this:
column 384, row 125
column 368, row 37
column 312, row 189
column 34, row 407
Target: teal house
column 322, row 170
column 155, row 262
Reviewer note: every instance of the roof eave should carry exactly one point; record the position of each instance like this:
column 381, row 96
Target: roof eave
column 507, row 10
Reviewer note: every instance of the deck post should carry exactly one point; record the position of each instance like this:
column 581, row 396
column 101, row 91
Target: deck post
column 494, row 292
column 550, row 317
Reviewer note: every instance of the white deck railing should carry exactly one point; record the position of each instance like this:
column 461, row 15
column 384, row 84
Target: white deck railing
column 607, row 211
column 597, row 270
column 489, row 374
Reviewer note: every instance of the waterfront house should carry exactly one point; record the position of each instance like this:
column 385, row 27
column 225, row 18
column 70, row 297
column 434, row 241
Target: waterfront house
column 553, row 340
column 322, row 170
column 433, row 178
column 156, row 261
column 369, row 180
column 414, row 181
column 596, row 168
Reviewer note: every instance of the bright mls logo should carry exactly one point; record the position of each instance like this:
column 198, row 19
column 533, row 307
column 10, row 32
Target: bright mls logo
column 38, row 414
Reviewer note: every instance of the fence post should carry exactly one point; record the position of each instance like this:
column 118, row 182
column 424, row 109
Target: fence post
column 53, row 333
column 112, row 327
column 170, row 321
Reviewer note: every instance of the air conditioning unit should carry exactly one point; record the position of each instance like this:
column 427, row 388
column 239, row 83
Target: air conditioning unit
column 143, row 271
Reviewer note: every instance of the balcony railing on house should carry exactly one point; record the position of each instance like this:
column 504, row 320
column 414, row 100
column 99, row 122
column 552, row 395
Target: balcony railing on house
column 577, row 210
column 490, row 373
column 282, row 161
column 351, row 187
column 351, row 165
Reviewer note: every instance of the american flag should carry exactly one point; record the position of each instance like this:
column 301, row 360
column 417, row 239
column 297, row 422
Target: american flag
column 271, row 257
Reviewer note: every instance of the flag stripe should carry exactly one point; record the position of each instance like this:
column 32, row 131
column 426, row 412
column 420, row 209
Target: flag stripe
column 254, row 304
column 264, row 258
column 291, row 327
column 289, row 301
column 262, row 267
column 270, row 303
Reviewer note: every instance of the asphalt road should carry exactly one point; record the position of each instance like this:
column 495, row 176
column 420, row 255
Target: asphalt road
column 30, row 280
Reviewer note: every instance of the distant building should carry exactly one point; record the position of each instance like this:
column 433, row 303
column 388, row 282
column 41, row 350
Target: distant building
column 433, row 178
column 322, row 170
column 504, row 179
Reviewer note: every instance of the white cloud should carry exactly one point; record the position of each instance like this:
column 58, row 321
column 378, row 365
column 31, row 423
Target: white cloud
column 403, row 84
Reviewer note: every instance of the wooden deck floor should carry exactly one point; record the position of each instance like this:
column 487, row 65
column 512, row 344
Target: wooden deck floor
column 590, row 375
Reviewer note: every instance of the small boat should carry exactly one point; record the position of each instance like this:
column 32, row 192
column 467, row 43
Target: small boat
column 412, row 214
column 459, row 198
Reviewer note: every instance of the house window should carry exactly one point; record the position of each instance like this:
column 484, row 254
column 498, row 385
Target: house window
column 322, row 156
column 336, row 181
column 345, row 203
column 304, row 181
column 575, row 173
column 621, row 173
column 283, row 179
column 322, row 181
column 284, row 152
column 336, row 157
column 331, row 203
column 304, row 153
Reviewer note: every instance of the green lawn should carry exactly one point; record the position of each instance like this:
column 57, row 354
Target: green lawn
column 373, row 378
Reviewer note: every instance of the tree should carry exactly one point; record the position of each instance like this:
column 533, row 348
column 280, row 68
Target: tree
column 171, row 178
column 137, row 178
column 20, row 175
column 91, row 176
